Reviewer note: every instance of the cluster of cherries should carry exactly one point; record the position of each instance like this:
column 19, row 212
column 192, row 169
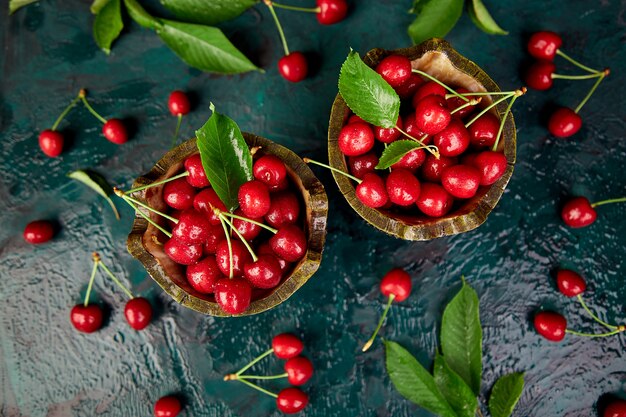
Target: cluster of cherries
column 298, row 370
column 544, row 46
column 553, row 326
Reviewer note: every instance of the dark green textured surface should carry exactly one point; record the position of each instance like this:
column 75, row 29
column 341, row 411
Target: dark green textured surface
column 48, row 369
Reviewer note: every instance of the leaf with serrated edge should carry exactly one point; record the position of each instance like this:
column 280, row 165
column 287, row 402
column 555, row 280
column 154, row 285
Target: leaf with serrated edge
column 108, row 25
column 225, row 156
column 97, row 183
column 435, row 19
column 454, row 389
column 414, row 382
column 208, row 12
column 15, row 5
column 367, row 94
column 505, row 394
column 461, row 337
column 483, row 20
column 395, row 151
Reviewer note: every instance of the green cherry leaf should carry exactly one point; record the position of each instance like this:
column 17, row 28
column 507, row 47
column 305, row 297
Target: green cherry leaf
column 414, row 382
column 97, row 183
column 367, row 94
column 141, row 16
column 108, row 25
column 15, row 5
column 97, row 5
column 207, row 12
column 505, row 394
column 395, row 151
column 462, row 337
column 225, row 157
column 435, row 18
column 454, row 389
column 483, row 20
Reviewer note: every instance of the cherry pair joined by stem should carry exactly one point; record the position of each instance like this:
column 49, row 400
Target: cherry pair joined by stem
column 579, row 212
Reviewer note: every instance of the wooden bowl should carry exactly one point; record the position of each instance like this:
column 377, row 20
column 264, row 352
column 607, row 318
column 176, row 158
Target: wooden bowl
column 145, row 240
column 437, row 58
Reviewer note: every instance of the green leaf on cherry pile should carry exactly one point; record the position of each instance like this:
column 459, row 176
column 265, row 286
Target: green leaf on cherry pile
column 395, row 151
column 225, row 157
column 208, row 12
column 108, row 25
column 15, row 5
column 435, row 18
column 505, row 394
column 454, row 389
column 483, row 20
column 367, row 94
column 97, row 183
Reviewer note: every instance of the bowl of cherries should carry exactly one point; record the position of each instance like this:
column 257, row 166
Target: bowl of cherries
column 240, row 243
column 421, row 141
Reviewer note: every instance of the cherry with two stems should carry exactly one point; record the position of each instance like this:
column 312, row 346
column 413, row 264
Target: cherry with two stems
column 328, row 12
column 178, row 105
column 51, row 141
column 579, row 212
column 293, row 65
column 112, row 129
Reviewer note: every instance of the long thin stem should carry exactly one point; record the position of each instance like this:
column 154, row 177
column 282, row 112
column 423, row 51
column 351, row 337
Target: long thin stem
column 297, row 9
column 593, row 316
column 616, row 331
column 502, row 122
column 238, row 233
column 96, row 259
column 154, row 184
column 430, row 77
column 489, row 107
column 575, row 77
column 368, row 344
column 81, row 95
column 352, row 177
column 180, row 119
column 472, row 102
column 147, row 207
column 114, row 278
column 262, row 376
column 256, row 387
column 230, row 247
column 611, row 201
column 245, row 219
column 268, row 3
column 148, row 219
column 589, row 94
column 430, row 148
column 255, row 360
column 65, row 112
column 575, row 62
column 482, row 93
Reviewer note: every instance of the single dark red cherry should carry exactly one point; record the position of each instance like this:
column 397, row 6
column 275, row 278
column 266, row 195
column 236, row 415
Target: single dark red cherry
column 570, row 283
column 266, row 249
column 207, row 200
column 299, row 370
column 216, row 235
column 197, row 176
column 543, row 45
column 429, row 88
column 284, row 209
column 51, row 143
column 434, row 200
column 550, row 325
column 241, row 256
column 331, row 11
column 402, row 187
column 248, row 230
column 484, row 131
column 372, row 191
column 293, row 67
column 461, row 181
column 233, row 295
column 388, row 135
column 411, row 161
column 138, row 312
column 492, row 166
column 411, row 128
column 39, row 231
column 270, row 170
column 453, row 140
column 564, row 123
column 356, row 139
column 395, row 69
column 86, row 319
column 539, row 75
column 432, row 114
column 396, row 282
column 410, row 86
column 193, row 227
column 616, row 408
column 264, row 273
column 115, row 131
column 433, row 167
column 167, row 407
column 578, row 212
column 455, row 101
column 254, row 199
column 287, row 346
column 289, row 243
column 182, row 253
column 362, row 164
column 178, row 103
column 204, row 274
column 355, row 119
column 291, row 400
column 179, row 194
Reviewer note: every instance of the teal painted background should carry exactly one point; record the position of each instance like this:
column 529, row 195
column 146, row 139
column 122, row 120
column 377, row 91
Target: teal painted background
column 48, row 369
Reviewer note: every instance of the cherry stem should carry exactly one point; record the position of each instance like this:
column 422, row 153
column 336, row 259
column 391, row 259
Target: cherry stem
column 268, row 3
column 262, row 376
column 180, row 119
column 489, row 107
column 147, row 207
column 82, row 95
column 369, row 343
column 590, row 93
column 575, row 62
column 472, row 102
column 611, row 333
column 430, row 148
column 430, row 77
column 593, row 316
column 352, row 177
column 480, row 413
column 297, row 9
column 96, row 259
column 245, row 219
column 243, row 240
column 148, row 219
column 65, row 112
column 154, row 184
column 256, row 387
column 502, row 122
column 576, row 77
column 611, row 201
column 255, row 360
column 482, row 93
column 230, row 247
column 119, row 284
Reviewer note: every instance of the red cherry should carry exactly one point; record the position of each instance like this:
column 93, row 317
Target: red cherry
column 570, row 283
column 388, row 135
column 299, row 370
column 461, row 181
column 492, row 166
column 578, row 212
column 433, row 167
column 484, row 130
column 216, row 235
column 254, row 199
column 564, row 123
column 181, row 252
column 284, row 209
column 193, row 227
column 410, row 86
column 264, row 273
column 615, row 409
column 331, row 11
column 362, row 164
column 355, row 119
column 233, row 295
column 543, row 45
column 434, row 200
column 289, row 243
column 287, row 346
column 179, row 194
column 291, row 400
column 51, row 143
column 39, row 231
column 429, row 88
column 550, row 325
column 539, row 75
column 270, row 170
column 432, row 115
column 372, row 191
column 86, row 319
column 395, row 69
column 207, row 200
column 396, row 282
column 411, row 161
column 241, row 256
column 115, row 131
column 167, row 407
column 411, row 128
column 138, row 312
column 248, row 230
column 197, row 176
column 453, row 140
column 265, row 249
column 178, row 103
column 203, row 275
column 293, row 67
column 402, row 187
column 454, row 102
column 356, row 139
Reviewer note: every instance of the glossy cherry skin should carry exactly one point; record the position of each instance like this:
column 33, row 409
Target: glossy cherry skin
column 616, row 408
column 539, row 75
column 182, row 253
column 362, row 164
column 564, row 123
column 388, row 135
column 331, row 11
column 207, row 200
column 167, row 407
column 395, row 69
column 204, row 274
column 432, row 115
column 411, row 128
column 403, row 188
column 461, row 181
column 453, row 140
column 284, row 209
column 216, row 235
column 39, row 231
column 550, row 325
column 233, row 295
column 264, row 273
column 248, row 230
column 355, row 119
column 241, row 256
column 178, row 103
column 115, row 131
column 266, row 249
column 179, row 194
column 410, row 86
column 299, row 370
column 254, row 199
column 197, row 176
column 86, row 319
column 429, row 88
column 356, row 139
column 434, row 200
column 484, row 130
column 291, row 400
column 51, row 143
column 543, row 45
column 270, row 170
column 433, row 167
column 193, row 227
column 570, row 283
column 287, row 346
column 289, row 243
column 454, row 102
column 372, row 191
column 138, row 313
column 492, row 166
column 411, row 161
column 578, row 212
column 293, row 67
column 396, row 282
